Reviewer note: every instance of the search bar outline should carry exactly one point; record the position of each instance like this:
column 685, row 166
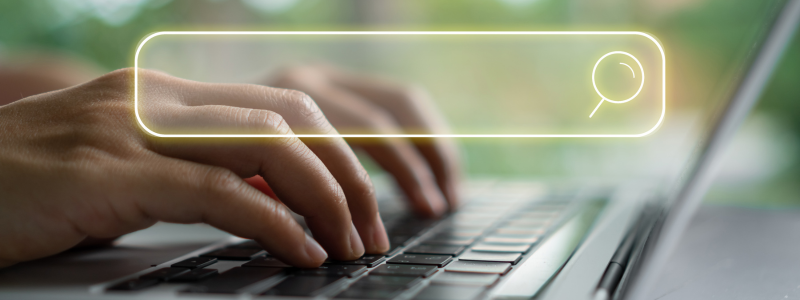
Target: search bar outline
column 432, row 135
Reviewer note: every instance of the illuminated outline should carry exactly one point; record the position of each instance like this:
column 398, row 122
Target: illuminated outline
column 604, row 98
column 629, row 67
column 151, row 36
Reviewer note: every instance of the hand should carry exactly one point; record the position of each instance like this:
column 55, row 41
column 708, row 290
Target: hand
column 74, row 164
column 368, row 105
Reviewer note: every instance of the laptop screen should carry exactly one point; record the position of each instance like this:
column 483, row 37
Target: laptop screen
column 739, row 95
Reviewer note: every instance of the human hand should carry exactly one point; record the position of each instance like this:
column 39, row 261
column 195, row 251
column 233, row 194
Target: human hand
column 368, row 105
column 73, row 165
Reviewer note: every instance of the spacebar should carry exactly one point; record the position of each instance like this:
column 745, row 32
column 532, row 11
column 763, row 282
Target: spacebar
column 233, row 280
column 534, row 272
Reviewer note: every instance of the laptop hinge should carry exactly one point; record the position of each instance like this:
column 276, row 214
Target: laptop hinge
column 621, row 260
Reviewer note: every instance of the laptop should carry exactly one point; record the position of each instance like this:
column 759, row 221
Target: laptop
column 510, row 240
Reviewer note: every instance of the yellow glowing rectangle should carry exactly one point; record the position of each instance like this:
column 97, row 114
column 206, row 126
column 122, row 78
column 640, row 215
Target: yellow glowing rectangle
column 462, row 33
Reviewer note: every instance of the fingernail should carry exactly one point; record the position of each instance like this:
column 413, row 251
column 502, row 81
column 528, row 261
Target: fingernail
column 356, row 245
column 314, row 251
column 379, row 236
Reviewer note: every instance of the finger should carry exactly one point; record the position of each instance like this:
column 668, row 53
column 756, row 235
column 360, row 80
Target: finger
column 295, row 174
column 442, row 157
column 399, row 158
column 413, row 110
column 303, row 115
column 261, row 185
column 396, row 156
column 185, row 192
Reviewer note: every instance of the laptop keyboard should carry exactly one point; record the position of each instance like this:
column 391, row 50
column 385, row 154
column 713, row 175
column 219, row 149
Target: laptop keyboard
column 461, row 256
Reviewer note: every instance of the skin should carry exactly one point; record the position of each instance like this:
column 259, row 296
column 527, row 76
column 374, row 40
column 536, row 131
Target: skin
column 75, row 167
column 426, row 169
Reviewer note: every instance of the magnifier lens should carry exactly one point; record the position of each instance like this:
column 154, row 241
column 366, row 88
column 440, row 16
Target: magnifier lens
column 615, row 77
column 615, row 81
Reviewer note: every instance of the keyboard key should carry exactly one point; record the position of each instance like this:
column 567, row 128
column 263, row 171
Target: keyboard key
column 520, row 236
column 367, row 260
column 476, row 215
column 467, row 225
column 383, row 280
column 332, row 270
column 409, row 226
column 404, row 270
column 522, row 230
column 528, row 223
column 195, row 275
column 399, row 240
column 512, row 258
column 448, row 241
column 421, row 259
column 519, row 231
column 540, row 211
column 235, row 253
column 164, row 274
column 302, row 286
column 133, row 285
column 363, row 292
column 478, row 267
column 452, row 236
column 487, row 210
column 501, row 239
column 195, row 262
column 249, row 244
column 233, row 280
column 472, row 233
column 500, row 248
column 448, row 292
column 465, row 278
column 269, row 262
column 436, row 249
column 536, row 215
column 393, row 249
column 379, row 287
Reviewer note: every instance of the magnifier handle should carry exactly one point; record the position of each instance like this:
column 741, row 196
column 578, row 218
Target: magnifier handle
column 598, row 106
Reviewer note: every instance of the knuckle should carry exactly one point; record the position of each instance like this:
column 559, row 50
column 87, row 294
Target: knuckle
column 379, row 119
column 297, row 77
column 221, row 182
column 83, row 154
column 413, row 97
column 298, row 148
column 268, row 120
column 123, row 74
column 275, row 214
column 368, row 190
column 303, row 105
column 407, row 97
column 288, row 77
column 301, row 102
column 410, row 92
column 338, row 193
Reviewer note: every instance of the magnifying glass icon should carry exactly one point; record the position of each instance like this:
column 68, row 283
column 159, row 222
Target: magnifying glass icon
column 604, row 98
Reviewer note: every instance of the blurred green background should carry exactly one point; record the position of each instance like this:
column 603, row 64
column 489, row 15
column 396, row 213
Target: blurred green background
column 706, row 42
